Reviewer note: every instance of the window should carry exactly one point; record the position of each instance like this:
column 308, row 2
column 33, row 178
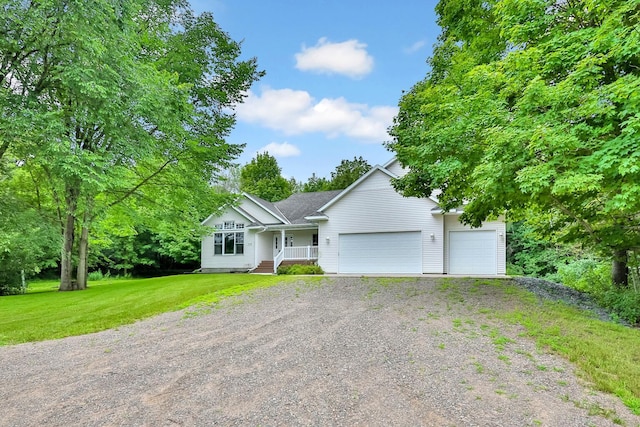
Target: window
column 228, row 243
column 314, row 239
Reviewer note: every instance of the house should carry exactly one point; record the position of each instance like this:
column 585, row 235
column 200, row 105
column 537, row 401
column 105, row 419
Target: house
column 367, row 228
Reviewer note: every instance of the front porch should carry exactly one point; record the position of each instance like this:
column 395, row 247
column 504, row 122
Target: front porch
column 288, row 256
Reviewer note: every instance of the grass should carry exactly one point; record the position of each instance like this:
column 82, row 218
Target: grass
column 605, row 354
column 44, row 313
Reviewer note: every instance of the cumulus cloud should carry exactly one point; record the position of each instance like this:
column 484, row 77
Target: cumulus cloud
column 280, row 150
column 415, row 47
column 349, row 58
column 294, row 112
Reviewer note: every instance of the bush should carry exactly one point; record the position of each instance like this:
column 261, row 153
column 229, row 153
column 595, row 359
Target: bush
column 97, row 275
column 625, row 303
column 587, row 275
column 300, row 269
column 594, row 277
column 10, row 283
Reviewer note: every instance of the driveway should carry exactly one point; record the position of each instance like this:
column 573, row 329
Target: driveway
column 341, row 351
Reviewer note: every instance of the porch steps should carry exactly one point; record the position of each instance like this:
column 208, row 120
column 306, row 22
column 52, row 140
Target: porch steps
column 267, row 266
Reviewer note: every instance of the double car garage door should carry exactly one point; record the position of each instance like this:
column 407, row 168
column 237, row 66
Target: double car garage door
column 470, row 252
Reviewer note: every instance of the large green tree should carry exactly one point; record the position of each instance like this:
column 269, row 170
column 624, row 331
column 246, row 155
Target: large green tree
column 348, row 172
column 532, row 107
column 345, row 174
column 262, row 177
column 112, row 100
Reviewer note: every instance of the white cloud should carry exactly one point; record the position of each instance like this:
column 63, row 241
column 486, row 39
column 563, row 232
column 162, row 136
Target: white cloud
column 415, row 47
column 280, row 150
column 294, row 112
column 349, row 58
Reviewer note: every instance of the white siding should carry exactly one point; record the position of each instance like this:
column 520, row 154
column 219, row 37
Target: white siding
column 452, row 223
column 228, row 262
column 374, row 206
column 396, row 169
column 258, row 212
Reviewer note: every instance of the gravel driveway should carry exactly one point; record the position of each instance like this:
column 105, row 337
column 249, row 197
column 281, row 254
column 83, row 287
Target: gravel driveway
column 343, row 351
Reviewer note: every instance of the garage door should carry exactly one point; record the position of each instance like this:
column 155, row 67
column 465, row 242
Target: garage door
column 380, row 253
column 472, row 252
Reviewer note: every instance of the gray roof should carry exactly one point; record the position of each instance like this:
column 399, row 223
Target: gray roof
column 300, row 205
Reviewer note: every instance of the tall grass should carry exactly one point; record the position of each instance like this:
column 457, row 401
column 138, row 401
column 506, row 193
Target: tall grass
column 44, row 313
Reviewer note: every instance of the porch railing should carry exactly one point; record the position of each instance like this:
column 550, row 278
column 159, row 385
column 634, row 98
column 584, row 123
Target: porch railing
column 277, row 260
column 307, row 253
column 301, row 252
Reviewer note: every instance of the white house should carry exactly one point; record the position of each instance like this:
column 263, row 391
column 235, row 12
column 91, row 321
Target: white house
column 368, row 228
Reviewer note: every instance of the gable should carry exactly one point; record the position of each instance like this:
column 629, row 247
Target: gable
column 375, row 199
column 395, row 167
column 228, row 214
column 259, row 212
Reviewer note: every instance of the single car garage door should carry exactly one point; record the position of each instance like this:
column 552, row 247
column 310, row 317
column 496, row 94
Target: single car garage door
column 380, row 253
column 472, row 252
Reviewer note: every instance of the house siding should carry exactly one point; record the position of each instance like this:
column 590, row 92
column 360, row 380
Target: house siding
column 359, row 211
column 396, row 168
column 452, row 223
column 211, row 262
column 258, row 212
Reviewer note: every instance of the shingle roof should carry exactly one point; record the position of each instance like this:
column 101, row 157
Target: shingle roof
column 300, row 205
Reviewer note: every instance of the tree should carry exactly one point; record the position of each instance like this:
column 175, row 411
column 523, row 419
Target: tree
column 345, row 174
column 348, row 172
column 262, row 177
column 113, row 101
column 28, row 242
column 315, row 183
column 529, row 108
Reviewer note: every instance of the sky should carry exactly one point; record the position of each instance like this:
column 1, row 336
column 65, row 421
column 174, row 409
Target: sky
column 335, row 72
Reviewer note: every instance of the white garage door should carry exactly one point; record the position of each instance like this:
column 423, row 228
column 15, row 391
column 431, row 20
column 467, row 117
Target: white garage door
column 472, row 252
column 380, row 253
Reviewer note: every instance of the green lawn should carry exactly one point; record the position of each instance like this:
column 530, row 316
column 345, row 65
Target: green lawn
column 44, row 313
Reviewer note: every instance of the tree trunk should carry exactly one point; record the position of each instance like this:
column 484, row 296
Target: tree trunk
column 619, row 271
column 83, row 252
column 66, row 262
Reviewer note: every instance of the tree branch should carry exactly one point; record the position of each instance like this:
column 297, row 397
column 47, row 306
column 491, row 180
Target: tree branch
column 145, row 180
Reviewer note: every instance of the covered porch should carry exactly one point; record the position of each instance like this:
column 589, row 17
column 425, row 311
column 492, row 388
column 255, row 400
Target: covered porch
column 288, row 245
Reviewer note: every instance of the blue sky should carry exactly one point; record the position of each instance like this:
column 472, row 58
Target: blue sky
column 335, row 71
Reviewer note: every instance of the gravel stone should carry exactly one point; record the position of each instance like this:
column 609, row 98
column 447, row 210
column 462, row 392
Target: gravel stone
column 343, row 351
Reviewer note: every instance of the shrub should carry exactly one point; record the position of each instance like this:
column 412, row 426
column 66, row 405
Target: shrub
column 10, row 283
column 587, row 275
column 625, row 303
column 300, row 269
column 97, row 275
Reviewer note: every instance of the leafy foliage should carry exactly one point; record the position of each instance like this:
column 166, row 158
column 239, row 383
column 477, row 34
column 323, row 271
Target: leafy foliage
column 529, row 254
column 297, row 269
column 103, row 102
column 29, row 240
column 262, row 177
column 345, row 174
column 528, row 108
column 348, row 172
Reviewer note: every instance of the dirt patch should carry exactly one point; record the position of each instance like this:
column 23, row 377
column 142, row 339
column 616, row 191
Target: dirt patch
column 348, row 351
